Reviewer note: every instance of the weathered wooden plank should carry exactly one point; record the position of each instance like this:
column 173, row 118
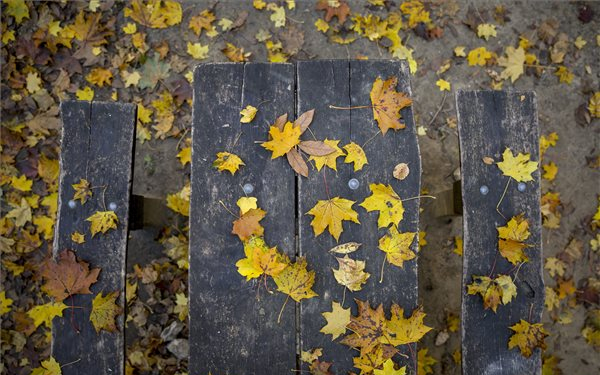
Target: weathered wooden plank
column 343, row 83
column 490, row 121
column 232, row 331
column 97, row 145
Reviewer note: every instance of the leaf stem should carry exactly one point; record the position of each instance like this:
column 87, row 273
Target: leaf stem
column 382, row 265
column 502, row 198
column 350, row 108
column 281, row 311
column 228, row 210
column 417, row 197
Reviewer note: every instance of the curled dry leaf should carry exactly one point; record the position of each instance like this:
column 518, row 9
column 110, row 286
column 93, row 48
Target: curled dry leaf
column 345, row 248
column 502, row 289
column 488, row 160
column 304, row 120
column 401, row 171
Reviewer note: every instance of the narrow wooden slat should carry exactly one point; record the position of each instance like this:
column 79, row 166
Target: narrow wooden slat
column 97, row 145
column 343, row 83
column 490, row 121
column 233, row 323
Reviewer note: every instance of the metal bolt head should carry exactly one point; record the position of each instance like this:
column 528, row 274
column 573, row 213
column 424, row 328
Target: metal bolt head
column 484, row 190
column 112, row 206
column 72, row 204
column 248, row 188
column 353, row 184
column 521, row 186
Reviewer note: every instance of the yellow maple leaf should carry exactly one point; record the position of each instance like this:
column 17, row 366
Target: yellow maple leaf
column 85, row 94
column 550, row 171
column 425, row 362
column 396, row 246
column 227, row 161
column 296, row 281
column 400, row 331
column 181, row 306
column 202, row 21
column 82, row 191
column 278, row 15
column 330, row 214
column 248, row 224
column 486, row 30
column 33, row 82
column 157, row 14
column 355, row 154
column 546, row 142
column 337, row 320
column 102, row 221
column 502, row 289
column 459, row 51
column 555, row 266
column 104, row 311
column 197, row 50
column 527, row 337
column 512, row 63
column 100, row 77
column 48, row 169
column 388, row 369
column 48, row 367
column 511, row 237
column 45, row 225
column 17, row 9
column 564, row 75
column 21, row 213
column 235, row 54
column 328, row 160
column 250, row 265
column 21, row 183
column 180, row 201
column 5, row 303
column 246, row 204
column 185, row 155
column 443, row 84
column 282, row 141
column 519, row 167
column 43, row 314
column 351, row 273
column 321, row 25
column 594, row 105
column 248, row 114
column 551, row 300
column 387, row 103
column 130, row 28
column 384, row 199
column 78, row 237
column 478, row 56
column 130, row 79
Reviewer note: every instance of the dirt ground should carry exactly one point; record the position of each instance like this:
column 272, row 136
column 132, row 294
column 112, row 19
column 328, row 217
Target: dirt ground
column 158, row 172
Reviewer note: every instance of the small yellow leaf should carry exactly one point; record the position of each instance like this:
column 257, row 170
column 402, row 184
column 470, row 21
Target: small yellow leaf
column 181, row 306
column 5, row 303
column 486, row 30
column 21, row 213
column 248, row 114
column 104, row 311
column 511, row 237
column 594, row 105
column 100, row 77
column 443, row 84
column 180, row 201
column 78, row 237
column 246, row 204
column 400, row 330
column 185, row 155
column 580, row 42
column 130, row 79
column 102, row 221
column 555, row 267
column 43, row 314
column 351, row 273
column 282, row 140
column 345, row 248
column 321, row 25
column 425, row 362
column 21, row 183
column 296, row 281
column 396, row 245
column 550, row 171
column 459, row 51
column 278, row 15
column 512, row 63
column 130, row 28
column 493, row 291
column 33, row 82
column 388, row 369
column 227, row 161
column 355, row 154
column 85, row 94
column 259, row 4
column 330, row 214
column 48, row 367
column 564, row 75
column 17, row 9
column 479, row 56
column 519, row 167
column 197, row 50
column 527, row 337
column 337, row 320
column 330, row 159
column 384, row 199
column 82, row 191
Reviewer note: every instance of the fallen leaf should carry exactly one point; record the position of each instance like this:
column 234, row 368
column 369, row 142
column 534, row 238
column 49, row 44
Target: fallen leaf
column 21, row 183
column 235, row 54
column 387, row 103
column 425, row 362
column 82, row 191
column 185, row 155
column 486, row 30
column 77, row 237
column 555, row 267
column 67, row 276
column 550, row 171
column 296, row 281
column 400, row 330
column 329, row 159
column 355, row 154
column 104, row 311
column 493, row 291
column 337, row 320
column 21, row 213
column 340, row 10
column 297, row 162
column 527, row 337
column 153, row 71
column 260, row 259
column 102, row 221
column 519, row 167
column 282, row 140
column 248, row 224
column 478, row 56
column 396, row 246
column 512, row 63
column 246, row 204
column 100, row 77
column 330, row 214
column 316, row 148
column 320, row 368
column 158, row 14
column 564, row 75
column 388, row 369
column 48, row 367
column 384, row 199
column 310, row 356
column 18, row 9
column 401, row 171
column 43, row 314
column 351, row 273
column 197, row 50
column 367, row 328
column 5, row 303
column 227, row 161
column 345, row 248
column 202, row 21
column 511, row 237
column 248, row 114
column 443, row 84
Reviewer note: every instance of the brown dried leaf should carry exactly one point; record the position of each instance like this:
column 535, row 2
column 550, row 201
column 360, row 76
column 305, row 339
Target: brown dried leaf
column 316, row 148
column 297, row 162
column 67, row 276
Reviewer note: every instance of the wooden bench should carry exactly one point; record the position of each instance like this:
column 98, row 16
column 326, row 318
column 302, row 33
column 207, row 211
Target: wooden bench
column 239, row 326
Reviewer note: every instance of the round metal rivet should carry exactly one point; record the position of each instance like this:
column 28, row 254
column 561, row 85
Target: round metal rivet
column 72, row 204
column 112, row 206
column 248, row 188
column 521, row 187
column 353, row 184
column 484, row 189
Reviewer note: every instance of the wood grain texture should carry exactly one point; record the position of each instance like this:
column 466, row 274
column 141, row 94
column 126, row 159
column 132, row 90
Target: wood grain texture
column 490, row 121
column 348, row 83
column 97, row 145
column 232, row 331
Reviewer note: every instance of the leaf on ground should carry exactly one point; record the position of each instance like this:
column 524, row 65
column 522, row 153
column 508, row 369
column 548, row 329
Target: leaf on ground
column 330, row 214
column 153, row 71
column 367, row 328
column 339, row 9
column 100, row 77
column 246, row 204
column 479, row 56
column 387, row 103
column 351, row 273
column 297, row 162
column 384, row 199
column 555, row 267
column 203, row 21
column 157, row 14
column 104, row 311
column 519, row 167
column 337, row 320
column 550, row 171
column 21, row 183
column 304, row 120
column 82, row 191
column 296, row 281
column 316, row 148
column 248, row 114
column 67, row 276
column 320, row 368
column 227, row 161
column 374, row 359
column 197, row 50
column 355, row 154
column 345, row 248
column 425, row 362
column 400, row 330
column 282, row 141
column 260, row 259
column 5, row 303
column 102, row 221
column 235, row 54
column 17, row 9
column 512, row 63
column 511, row 237
column 312, row 355
column 330, row 158
column 396, row 246
column 486, row 30
column 248, row 224
column 21, row 213
column 43, row 314
column 388, row 369
column 185, row 155
column 48, row 367
column 500, row 290
column 527, row 337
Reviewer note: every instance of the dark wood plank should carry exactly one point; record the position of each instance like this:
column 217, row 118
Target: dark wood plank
column 97, row 145
column 231, row 331
column 344, row 83
column 490, row 121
